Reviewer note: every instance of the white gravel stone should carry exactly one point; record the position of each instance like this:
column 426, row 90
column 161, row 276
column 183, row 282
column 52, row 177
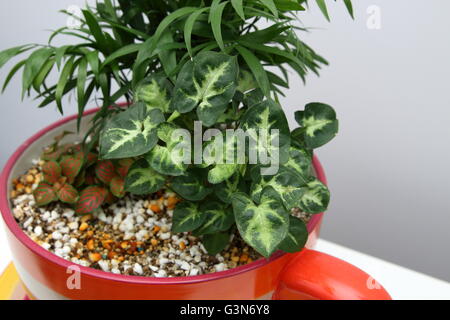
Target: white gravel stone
column 28, row 222
column 104, row 265
column 137, row 268
column 56, row 235
column 38, row 231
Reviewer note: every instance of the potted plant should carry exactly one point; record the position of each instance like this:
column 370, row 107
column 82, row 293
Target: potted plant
column 192, row 186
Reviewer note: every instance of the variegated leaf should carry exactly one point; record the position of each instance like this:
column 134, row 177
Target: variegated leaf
column 68, row 194
column 70, row 167
column 105, row 171
column 262, row 225
column 142, row 179
column 315, row 198
column 300, row 163
column 130, row 133
column 267, row 126
column 117, row 187
column 190, row 186
column 51, row 171
column 169, row 159
column 225, row 190
column 207, row 83
column 155, row 92
column 287, row 186
column 297, row 236
column 319, row 124
column 222, row 154
column 44, row 194
column 218, row 218
column 253, row 98
column 187, row 217
column 91, row 198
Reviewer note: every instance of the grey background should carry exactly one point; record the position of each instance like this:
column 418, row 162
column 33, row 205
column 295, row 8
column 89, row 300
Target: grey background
column 389, row 167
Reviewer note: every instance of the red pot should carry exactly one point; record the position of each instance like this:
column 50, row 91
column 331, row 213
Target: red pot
column 305, row 275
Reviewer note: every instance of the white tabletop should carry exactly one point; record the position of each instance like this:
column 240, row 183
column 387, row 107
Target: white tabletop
column 400, row 282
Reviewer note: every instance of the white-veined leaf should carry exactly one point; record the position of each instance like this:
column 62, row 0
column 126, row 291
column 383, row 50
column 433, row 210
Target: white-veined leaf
column 130, row 133
column 141, row 179
column 263, row 225
column 155, row 92
column 207, row 83
column 187, row 217
column 319, row 124
column 315, row 198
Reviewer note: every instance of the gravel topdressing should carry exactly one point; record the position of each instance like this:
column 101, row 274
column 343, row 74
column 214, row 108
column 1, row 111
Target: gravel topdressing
column 131, row 236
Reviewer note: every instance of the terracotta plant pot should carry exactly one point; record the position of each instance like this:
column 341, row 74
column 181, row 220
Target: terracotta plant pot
column 305, row 275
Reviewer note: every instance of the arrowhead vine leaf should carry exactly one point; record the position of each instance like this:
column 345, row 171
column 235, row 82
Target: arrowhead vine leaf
column 218, row 218
column 130, row 133
column 190, row 186
column 315, row 198
column 206, row 83
column 319, row 124
column 187, row 217
column 155, row 92
column 142, row 179
column 262, row 225
column 296, row 237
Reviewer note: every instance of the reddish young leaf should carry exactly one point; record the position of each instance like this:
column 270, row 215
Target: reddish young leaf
column 44, row 194
column 91, row 159
column 68, row 194
column 117, row 187
column 71, row 167
column 110, row 199
column 105, row 171
column 51, row 171
column 80, row 179
column 79, row 155
column 90, row 199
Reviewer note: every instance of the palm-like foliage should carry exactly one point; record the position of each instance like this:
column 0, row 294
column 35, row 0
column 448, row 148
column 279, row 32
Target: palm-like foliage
column 120, row 42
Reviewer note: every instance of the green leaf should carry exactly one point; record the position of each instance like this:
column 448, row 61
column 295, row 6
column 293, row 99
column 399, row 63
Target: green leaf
column 218, row 218
column 155, row 91
column 90, row 199
column 122, row 52
column 68, row 194
column 44, row 194
column 300, row 163
column 187, row 217
column 51, row 172
column 171, row 158
column 207, row 83
column 266, row 123
column 12, row 73
column 188, row 27
column 316, row 197
column 130, row 133
column 167, row 57
column 215, row 17
column 288, row 187
column 167, row 21
column 288, row 5
column 34, row 64
column 117, row 187
column 297, row 236
column 319, row 124
column 257, row 69
column 42, row 74
column 349, row 6
column 269, row 4
column 215, row 243
column 96, row 31
column 62, row 82
column 323, row 7
column 8, row 54
column 238, row 7
column 81, row 84
column 225, row 190
column 190, row 186
column 262, row 225
column 142, row 179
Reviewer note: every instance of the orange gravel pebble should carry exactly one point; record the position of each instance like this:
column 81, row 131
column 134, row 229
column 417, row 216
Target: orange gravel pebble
column 235, row 259
column 83, row 226
column 90, row 245
column 155, row 208
column 243, row 258
column 124, row 245
column 154, row 242
column 182, row 245
column 95, row 257
column 156, row 229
